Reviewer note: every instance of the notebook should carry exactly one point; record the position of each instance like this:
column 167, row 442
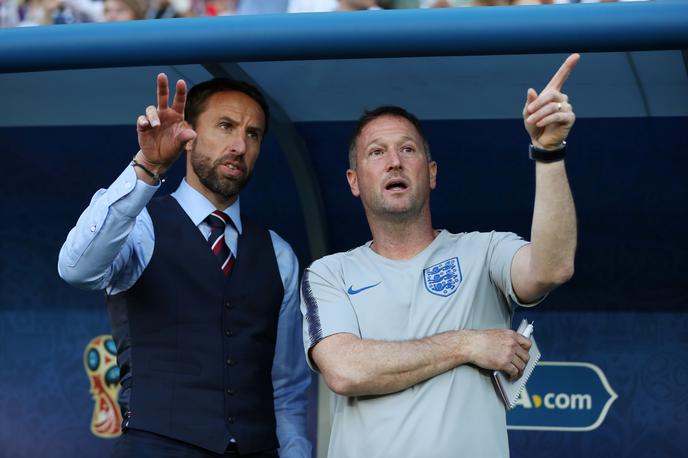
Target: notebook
column 509, row 390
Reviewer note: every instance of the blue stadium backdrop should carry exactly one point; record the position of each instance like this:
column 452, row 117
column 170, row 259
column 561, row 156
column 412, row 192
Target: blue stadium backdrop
column 623, row 313
column 614, row 374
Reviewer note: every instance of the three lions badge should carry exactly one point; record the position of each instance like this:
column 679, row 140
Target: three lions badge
column 443, row 278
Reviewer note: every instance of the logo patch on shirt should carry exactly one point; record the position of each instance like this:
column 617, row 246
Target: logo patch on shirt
column 356, row 291
column 443, row 278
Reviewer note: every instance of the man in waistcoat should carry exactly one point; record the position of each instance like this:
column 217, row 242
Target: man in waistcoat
column 203, row 301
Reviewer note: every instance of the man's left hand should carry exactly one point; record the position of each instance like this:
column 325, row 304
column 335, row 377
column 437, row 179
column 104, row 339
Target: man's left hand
column 549, row 116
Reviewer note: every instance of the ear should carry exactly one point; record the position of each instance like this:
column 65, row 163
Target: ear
column 352, row 178
column 188, row 144
column 432, row 170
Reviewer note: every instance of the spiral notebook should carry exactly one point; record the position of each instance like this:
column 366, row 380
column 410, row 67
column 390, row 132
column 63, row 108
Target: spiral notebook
column 509, row 390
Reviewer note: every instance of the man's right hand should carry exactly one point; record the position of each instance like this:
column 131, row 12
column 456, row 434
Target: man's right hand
column 499, row 349
column 162, row 131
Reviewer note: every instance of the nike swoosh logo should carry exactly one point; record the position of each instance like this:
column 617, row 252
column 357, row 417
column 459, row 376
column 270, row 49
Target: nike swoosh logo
column 356, row 291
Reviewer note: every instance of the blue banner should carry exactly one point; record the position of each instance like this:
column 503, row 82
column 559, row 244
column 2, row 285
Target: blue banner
column 563, row 396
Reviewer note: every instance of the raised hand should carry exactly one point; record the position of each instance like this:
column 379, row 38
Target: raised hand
column 549, row 116
column 499, row 349
column 162, row 131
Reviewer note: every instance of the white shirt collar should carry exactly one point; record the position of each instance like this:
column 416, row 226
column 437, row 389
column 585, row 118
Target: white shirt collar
column 197, row 207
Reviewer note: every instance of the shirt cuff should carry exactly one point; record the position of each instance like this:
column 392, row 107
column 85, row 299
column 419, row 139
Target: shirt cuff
column 129, row 195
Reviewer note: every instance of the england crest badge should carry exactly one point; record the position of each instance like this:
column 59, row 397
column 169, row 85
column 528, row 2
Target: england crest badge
column 444, row 278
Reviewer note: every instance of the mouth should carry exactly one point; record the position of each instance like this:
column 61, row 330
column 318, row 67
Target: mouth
column 231, row 169
column 396, row 185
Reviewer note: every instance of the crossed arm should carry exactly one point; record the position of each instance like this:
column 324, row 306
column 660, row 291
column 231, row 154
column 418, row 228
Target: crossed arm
column 352, row 366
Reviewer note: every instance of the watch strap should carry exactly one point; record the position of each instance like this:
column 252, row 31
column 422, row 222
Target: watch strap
column 547, row 156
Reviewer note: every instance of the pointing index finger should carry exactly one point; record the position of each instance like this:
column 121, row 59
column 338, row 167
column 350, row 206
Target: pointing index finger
column 559, row 78
column 163, row 92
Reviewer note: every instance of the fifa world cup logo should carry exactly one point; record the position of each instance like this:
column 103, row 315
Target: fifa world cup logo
column 100, row 363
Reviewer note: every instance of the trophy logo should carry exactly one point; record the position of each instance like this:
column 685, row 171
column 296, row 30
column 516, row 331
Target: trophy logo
column 100, row 363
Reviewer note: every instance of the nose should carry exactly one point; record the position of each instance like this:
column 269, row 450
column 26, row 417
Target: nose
column 237, row 145
column 393, row 160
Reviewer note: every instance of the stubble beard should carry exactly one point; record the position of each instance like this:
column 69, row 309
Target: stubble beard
column 390, row 211
column 210, row 177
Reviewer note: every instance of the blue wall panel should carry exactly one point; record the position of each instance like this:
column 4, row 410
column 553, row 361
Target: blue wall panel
column 642, row 356
column 625, row 311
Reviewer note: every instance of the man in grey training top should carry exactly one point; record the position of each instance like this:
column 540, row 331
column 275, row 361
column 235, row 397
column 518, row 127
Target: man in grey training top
column 407, row 328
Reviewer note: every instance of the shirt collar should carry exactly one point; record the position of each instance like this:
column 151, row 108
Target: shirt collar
column 197, row 207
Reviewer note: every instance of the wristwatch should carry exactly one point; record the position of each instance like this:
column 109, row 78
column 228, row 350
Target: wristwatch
column 547, row 156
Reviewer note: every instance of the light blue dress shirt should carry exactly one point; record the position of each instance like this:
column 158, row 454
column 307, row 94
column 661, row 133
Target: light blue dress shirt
column 112, row 243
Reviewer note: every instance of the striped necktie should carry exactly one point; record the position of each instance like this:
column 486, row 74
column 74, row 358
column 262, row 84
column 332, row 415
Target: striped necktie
column 218, row 221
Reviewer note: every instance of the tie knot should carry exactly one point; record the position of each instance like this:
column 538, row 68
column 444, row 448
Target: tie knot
column 217, row 219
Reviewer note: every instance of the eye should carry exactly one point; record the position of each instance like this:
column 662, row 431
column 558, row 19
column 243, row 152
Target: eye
column 376, row 152
column 253, row 134
column 408, row 149
column 224, row 125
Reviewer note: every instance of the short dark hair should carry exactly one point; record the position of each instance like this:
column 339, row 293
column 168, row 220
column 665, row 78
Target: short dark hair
column 201, row 92
column 386, row 110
